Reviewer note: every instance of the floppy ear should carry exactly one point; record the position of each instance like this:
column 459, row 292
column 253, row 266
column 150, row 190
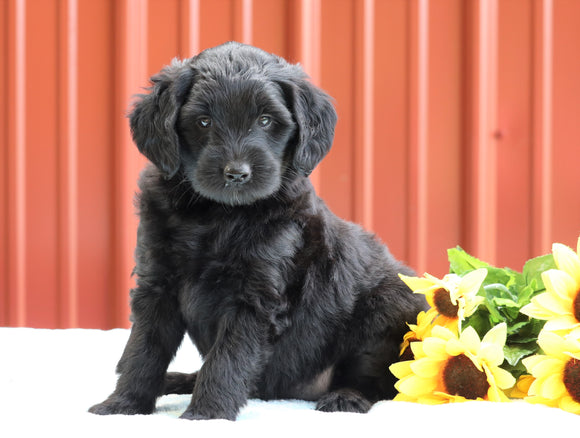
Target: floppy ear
column 154, row 116
column 316, row 117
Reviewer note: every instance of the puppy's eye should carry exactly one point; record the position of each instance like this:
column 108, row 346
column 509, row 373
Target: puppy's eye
column 204, row 122
column 264, row 121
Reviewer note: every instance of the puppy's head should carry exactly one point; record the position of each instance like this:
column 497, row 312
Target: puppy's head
column 235, row 121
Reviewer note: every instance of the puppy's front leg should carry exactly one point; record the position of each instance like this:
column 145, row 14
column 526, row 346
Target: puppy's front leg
column 155, row 336
column 231, row 368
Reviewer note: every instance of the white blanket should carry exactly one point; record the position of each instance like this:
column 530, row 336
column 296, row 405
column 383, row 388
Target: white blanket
column 49, row 378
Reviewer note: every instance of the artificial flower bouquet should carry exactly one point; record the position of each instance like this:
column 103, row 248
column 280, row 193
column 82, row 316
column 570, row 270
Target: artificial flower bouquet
column 496, row 334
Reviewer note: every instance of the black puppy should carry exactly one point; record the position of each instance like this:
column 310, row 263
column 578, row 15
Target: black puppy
column 282, row 298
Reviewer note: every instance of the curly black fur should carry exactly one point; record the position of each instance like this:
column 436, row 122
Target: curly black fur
column 282, row 298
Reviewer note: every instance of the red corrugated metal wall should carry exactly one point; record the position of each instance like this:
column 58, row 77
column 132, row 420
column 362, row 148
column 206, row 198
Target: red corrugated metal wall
column 459, row 123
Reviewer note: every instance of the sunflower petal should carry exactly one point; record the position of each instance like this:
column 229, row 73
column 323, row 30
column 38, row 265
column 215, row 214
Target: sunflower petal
column 426, row 367
column 571, row 344
column 432, row 399
column 531, row 361
column 470, row 339
column 522, row 386
column 424, row 320
column 536, row 399
column 401, row 369
column 449, row 281
column 417, row 284
column 548, row 366
column 564, row 322
column 434, row 348
column 492, row 354
column 552, row 303
column 496, row 395
column 533, row 310
column 503, row 378
column 448, row 398
column 497, row 335
column 493, row 391
column 443, row 332
column 533, row 389
column 415, row 386
column 552, row 344
column 553, row 387
column 472, row 305
column 574, row 355
column 567, row 261
column 471, row 282
column 403, row 397
column 454, row 347
column 561, row 285
column 417, row 349
column 568, row 404
column 574, row 333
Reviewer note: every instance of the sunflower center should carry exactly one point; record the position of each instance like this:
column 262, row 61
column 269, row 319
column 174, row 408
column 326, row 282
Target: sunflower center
column 461, row 377
column 443, row 303
column 577, row 306
column 572, row 379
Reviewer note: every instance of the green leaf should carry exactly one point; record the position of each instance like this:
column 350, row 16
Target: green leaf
column 508, row 278
column 496, row 275
column 527, row 332
column 505, row 302
column 515, row 328
column 497, row 290
column 499, row 303
column 480, row 321
column 461, row 263
column 514, row 353
column 494, row 316
column 526, row 293
column 533, row 271
column 518, row 370
column 516, row 278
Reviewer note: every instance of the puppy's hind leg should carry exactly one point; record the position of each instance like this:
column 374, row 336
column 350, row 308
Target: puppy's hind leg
column 359, row 381
column 344, row 400
column 362, row 378
column 179, row 383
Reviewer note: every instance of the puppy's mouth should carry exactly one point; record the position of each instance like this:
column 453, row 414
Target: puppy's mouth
column 238, row 181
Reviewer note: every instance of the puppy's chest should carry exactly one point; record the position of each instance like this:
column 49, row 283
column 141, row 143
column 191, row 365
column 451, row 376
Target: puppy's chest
column 223, row 265
column 231, row 254
column 200, row 243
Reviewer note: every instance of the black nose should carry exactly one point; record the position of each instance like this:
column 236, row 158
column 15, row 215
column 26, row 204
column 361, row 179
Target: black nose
column 237, row 173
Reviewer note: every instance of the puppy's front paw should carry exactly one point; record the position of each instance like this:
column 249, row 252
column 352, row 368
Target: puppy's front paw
column 119, row 405
column 190, row 415
column 194, row 414
column 344, row 400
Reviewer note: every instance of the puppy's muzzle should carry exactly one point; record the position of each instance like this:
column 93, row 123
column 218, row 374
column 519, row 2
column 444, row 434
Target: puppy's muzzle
column 237, row 173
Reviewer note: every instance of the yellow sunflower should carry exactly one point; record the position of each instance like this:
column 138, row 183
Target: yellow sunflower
column 560, row 304
column 556, row 373
column 522, row 386
column 417, row 332
column 451, row 368
column 453, row 298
